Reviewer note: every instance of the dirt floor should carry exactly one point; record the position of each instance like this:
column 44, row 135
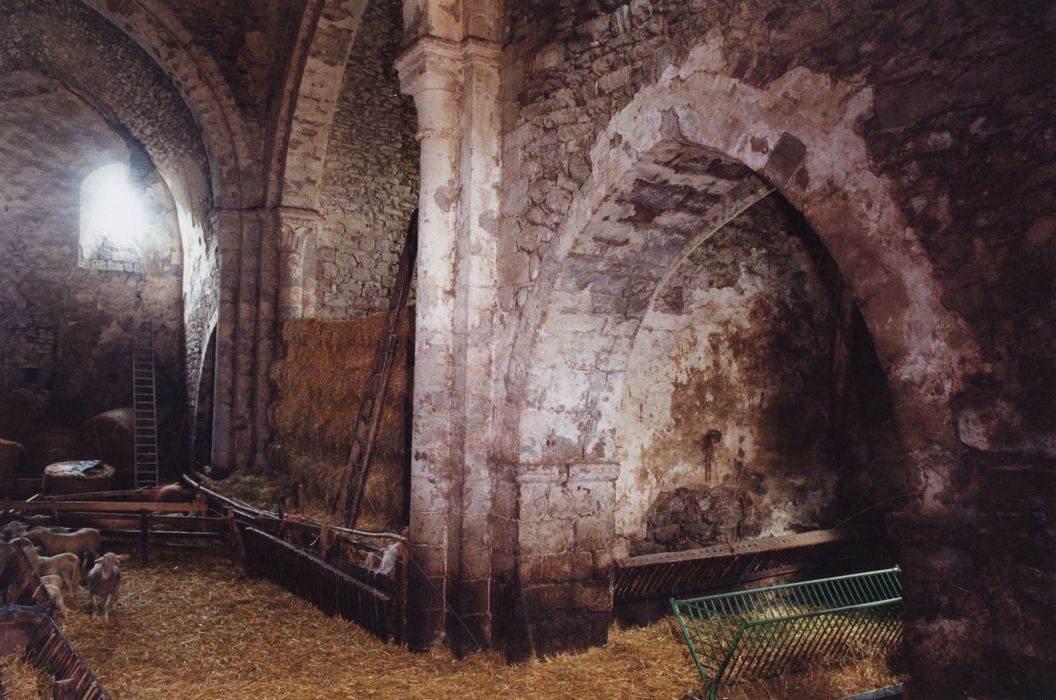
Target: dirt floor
column 197, row 628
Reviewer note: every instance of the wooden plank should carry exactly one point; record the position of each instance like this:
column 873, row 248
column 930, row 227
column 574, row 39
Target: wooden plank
column 721, row 567
column 105, row 506
column 165, row 534
column 144, row 536
column 116, row 520
column 125, row 494
column 744, row 547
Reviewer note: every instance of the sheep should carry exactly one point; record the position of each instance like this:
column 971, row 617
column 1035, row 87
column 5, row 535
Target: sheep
column 103, row 582
column 85, row 543
column 13, row 529
column 53, row 580
column 65, row 565
column 172, row 493
column 56, row 596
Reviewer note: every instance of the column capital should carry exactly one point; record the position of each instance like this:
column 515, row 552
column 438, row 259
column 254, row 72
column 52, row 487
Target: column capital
column 286, row 213
column 295, row 226
column 432, row 63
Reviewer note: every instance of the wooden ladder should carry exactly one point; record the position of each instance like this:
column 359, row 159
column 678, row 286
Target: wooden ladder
column 372, row 400
column 144, row 406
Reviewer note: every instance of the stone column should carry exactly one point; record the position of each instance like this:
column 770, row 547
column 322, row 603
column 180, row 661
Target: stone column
column 429, row 72
column 455, row 87
column 297, row 229
column 244, row 336
column 477, row 303
column 227, row 225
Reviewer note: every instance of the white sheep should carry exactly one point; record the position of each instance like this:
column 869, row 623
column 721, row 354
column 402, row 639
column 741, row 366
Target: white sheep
column 104, row 580
column 15, row 528
column 85, row 543
column 53, row 580
column 65, row 565
column 56, row 595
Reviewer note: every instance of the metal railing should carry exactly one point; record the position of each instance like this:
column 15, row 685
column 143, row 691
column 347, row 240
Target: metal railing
column 767, row 631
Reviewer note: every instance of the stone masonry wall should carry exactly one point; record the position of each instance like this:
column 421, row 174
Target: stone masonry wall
column 725, row 393
column 74, row 45
column 370, row 181
column 954, row 120
column 66, row 322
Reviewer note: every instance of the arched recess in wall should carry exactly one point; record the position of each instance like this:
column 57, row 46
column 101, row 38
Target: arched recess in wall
column 346, row 170
column 122, row 84
column 566, row 378
column 195, row 75
column 237, row 253
column 741, row 412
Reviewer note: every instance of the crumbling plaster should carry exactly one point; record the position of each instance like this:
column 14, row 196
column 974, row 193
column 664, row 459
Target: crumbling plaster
column 879, row 125
column 722, row 385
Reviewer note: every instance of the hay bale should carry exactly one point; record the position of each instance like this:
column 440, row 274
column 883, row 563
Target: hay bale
column 111, row 439
column 21, row 414
column 80, row 476
column 319, row 383
column 50, row 445
column 10, row 457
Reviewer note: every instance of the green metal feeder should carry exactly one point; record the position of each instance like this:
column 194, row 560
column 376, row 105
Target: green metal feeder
column 764, row 632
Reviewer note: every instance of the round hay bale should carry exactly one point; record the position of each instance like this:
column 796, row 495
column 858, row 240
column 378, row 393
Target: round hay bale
column 20, row 414
column 110, row 438
column 79, row 476
column 51, row 445
column 10, row 456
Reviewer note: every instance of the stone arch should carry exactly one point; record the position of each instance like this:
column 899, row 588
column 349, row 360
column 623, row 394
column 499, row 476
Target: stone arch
column 311, row 96
column 578, row 325
column 198, row 80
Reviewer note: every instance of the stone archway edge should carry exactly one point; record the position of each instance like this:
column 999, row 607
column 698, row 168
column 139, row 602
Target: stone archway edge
column 800, row 133
column 198, row 80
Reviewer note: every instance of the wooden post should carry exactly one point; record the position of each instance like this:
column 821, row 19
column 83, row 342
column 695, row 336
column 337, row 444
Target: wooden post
column 401, row 596
column 144, row 536
column 238, row 552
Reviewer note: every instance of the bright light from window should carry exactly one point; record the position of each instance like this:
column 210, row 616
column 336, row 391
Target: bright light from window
column 114, row 210
column 111, row 212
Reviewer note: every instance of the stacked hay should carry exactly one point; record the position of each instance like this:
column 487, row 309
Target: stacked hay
column 78, row 477
column 318, row 387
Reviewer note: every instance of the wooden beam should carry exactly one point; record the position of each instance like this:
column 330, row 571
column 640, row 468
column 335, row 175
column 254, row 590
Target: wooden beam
column 105, row 506
column 744, row 547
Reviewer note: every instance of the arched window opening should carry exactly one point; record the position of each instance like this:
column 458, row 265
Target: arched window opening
column 113, row 220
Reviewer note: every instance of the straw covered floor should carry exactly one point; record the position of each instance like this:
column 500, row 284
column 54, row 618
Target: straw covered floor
column 198, row 628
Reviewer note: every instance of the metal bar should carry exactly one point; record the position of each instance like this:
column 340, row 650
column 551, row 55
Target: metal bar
column 762, row 631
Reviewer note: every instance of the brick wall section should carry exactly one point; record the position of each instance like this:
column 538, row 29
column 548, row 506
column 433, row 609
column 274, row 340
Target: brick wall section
column 370, row 181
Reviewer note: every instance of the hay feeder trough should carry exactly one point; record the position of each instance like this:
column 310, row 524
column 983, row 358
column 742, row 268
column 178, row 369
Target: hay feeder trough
column 763, row 632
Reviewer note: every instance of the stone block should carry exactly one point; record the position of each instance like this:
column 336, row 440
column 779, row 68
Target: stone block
column 546, row 537
column 592, row 597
